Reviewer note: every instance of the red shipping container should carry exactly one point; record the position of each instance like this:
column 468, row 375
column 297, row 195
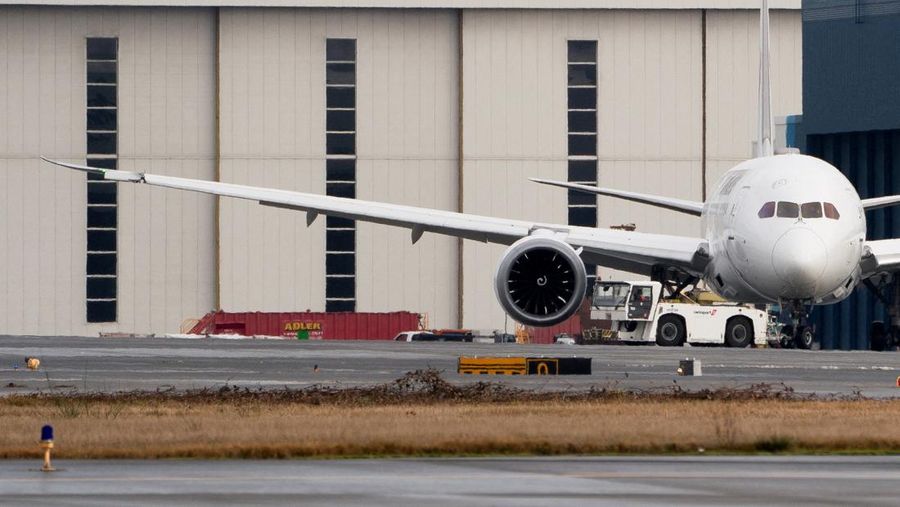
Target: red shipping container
column 310, row 325
column 572, row 327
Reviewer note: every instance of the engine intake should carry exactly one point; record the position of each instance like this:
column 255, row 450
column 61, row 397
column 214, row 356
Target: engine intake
column 540, row 281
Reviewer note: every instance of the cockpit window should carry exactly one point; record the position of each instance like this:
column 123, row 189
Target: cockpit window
column 811, row 210
column 767, row 210
column 788, row 209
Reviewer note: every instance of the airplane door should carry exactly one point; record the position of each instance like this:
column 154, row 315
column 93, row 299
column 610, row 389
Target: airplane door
column 737, row 244
column 640, row 302
column 738, row 201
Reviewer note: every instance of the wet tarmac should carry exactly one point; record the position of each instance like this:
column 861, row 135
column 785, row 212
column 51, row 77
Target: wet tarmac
column 108, row 364
column 788, row 481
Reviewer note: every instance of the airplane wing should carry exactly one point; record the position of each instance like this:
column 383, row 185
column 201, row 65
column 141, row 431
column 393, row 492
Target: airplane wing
column 881, row 256
column 631, row 251
column 671, row 203
column 880, row 202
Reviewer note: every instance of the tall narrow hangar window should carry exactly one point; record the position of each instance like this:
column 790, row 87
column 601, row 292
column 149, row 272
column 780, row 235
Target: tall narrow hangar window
column 582, row 69
column 340, row 172
column 102, row 151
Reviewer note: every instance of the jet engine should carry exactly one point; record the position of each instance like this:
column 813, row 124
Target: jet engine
column 540, row 281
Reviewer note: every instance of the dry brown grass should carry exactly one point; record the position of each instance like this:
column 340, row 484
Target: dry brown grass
column 423, row 420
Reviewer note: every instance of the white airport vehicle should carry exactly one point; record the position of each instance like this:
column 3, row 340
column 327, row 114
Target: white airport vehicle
column 787, row 229
column 564, row 339
column 437, row 335
column 640, row 312
column 406, row 336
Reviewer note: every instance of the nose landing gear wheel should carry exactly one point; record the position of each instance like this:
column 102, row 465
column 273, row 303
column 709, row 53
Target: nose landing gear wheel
column 670, row 331
column 804, row 338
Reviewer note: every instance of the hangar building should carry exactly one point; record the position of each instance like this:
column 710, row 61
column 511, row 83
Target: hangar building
column 852, row 119
column 442, row 103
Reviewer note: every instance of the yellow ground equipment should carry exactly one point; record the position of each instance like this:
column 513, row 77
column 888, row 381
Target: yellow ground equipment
column 524, row 365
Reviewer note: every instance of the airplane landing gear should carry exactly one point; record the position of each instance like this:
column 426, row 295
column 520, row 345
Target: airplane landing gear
column 885, row 336
column 674, row 281
column 805, row 339
column 880, row 338
column 800, row 333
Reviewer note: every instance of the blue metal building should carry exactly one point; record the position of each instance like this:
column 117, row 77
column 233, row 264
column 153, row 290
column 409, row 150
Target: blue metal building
column 851, row 118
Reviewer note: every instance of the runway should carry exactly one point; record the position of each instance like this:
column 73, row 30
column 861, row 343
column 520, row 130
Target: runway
column 107, row 364
column 487, row 481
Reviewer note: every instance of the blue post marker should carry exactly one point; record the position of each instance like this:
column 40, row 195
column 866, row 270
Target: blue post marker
column 47, row 445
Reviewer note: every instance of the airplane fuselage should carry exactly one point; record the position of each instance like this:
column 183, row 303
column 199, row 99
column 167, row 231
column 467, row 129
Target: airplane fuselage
column 784, row 227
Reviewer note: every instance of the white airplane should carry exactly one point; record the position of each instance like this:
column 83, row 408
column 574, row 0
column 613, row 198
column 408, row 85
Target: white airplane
column 778, row 229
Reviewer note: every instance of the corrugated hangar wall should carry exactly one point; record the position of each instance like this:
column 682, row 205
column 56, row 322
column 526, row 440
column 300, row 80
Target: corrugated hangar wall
column 851, row 118
column 413, row 67
column 871, row 160
column 166, row 125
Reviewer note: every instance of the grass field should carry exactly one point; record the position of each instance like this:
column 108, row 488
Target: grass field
column 428, row 417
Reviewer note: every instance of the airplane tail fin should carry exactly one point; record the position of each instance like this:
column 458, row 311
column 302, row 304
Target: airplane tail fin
column 765, row 143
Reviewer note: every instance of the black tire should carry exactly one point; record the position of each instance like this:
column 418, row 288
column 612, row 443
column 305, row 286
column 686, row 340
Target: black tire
column 804, row 339
column 878, row 337
column 739, row 332
column 787, row 337
column 670, row 331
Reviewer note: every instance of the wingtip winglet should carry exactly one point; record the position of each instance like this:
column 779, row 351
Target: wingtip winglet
column 72, row 166
column 108, row 174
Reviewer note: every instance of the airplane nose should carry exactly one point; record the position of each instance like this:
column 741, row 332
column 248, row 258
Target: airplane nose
column 799, row 258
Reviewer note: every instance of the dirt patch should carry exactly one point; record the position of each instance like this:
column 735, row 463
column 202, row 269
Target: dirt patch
column 426, row 386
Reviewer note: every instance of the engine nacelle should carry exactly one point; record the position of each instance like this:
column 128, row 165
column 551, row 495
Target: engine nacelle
column 540, row 281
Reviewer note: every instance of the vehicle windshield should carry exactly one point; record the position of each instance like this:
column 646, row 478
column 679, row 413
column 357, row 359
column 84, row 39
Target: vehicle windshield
column 611, row 294
column 641, row 295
